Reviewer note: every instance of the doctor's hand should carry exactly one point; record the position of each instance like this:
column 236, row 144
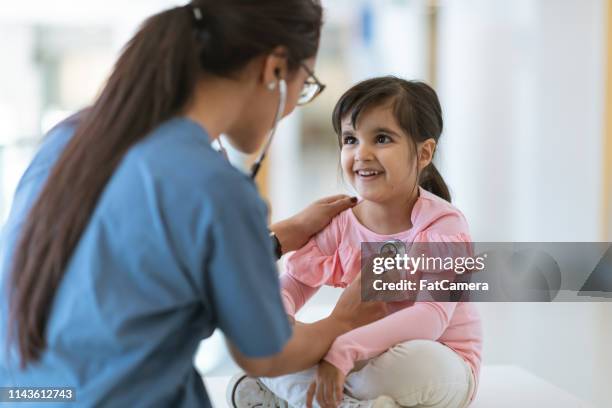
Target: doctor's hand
column 351, row 312
column 294, row 232
column 327, row 386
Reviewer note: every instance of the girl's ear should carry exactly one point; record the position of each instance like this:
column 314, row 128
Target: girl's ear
column 426, row 152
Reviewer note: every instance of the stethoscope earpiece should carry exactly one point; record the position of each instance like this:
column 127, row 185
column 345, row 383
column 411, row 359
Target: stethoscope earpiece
column 272, row 84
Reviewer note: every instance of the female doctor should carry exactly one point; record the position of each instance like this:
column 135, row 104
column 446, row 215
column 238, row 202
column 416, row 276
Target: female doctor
column 130, row 239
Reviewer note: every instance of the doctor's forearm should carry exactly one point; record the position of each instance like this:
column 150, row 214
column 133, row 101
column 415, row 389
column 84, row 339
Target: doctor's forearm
column 306, row 347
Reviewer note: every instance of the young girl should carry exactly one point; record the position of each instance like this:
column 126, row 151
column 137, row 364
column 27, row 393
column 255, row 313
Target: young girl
column 421, row 355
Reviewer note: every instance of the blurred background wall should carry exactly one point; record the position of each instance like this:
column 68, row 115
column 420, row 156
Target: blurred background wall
column 525, row 87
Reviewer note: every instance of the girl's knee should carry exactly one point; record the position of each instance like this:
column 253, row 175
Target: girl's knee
column 422, row 353
column 423, row 362
column 418, row 346
column 416, row 370
column 438, row 375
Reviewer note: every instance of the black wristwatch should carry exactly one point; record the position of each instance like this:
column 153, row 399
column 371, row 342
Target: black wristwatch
column 278, row 251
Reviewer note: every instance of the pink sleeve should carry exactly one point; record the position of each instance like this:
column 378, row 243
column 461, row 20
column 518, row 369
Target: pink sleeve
column 318, row 262
column 426, row 320
column 294, row 293
column 423, row 320
column 315, row 264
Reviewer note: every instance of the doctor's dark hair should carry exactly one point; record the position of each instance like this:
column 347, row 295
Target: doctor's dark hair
column 416, row 108
column 152, row 81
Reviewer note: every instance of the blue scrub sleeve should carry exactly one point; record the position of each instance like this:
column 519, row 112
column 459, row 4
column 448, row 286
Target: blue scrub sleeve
column 243, row 280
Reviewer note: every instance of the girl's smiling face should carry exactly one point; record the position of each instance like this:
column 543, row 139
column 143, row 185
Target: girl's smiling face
column 378, row 157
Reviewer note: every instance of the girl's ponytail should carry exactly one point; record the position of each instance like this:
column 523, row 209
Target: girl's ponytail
column 432, row 181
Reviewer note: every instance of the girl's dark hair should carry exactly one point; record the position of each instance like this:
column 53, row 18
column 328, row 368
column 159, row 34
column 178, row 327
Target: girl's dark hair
column 417, row 111
column 152, row 81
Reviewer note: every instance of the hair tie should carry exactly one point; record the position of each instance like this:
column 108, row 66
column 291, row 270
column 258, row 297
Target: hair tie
column 197, row 13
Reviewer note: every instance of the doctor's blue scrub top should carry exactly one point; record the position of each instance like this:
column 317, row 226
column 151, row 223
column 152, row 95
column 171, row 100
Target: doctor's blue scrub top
column 177, row 246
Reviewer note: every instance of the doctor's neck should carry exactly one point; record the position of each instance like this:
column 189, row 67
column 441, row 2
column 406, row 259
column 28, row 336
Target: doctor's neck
column 217, row 103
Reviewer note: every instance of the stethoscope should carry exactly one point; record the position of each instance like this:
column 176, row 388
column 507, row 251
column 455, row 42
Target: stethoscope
column 393, row 247
column 282, row 88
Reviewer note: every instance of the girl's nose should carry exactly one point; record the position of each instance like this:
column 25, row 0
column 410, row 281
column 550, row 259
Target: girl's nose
column 363, row 153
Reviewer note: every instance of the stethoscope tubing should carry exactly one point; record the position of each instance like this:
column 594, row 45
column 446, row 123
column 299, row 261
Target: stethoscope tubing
column 282, row 87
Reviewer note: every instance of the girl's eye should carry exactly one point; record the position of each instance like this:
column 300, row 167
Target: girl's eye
column 349, row 140
column 383, row 139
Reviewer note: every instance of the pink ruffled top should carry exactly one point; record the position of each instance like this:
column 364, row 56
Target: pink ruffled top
column 332, row 257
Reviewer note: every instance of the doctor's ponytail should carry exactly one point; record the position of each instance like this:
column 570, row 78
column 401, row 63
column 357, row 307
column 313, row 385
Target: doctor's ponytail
column 152, row 81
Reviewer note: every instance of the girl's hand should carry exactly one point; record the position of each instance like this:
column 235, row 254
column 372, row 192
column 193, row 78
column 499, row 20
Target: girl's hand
column 327, row 386
column 293, row 233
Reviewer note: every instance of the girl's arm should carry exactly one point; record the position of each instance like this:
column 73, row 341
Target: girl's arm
column 315, row 264
column 294, row 293
column 423, row 320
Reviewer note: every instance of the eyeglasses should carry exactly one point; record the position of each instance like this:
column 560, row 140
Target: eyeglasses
column 311, row 89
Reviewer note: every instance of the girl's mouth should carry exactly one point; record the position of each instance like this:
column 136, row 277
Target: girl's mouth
column 368, row 174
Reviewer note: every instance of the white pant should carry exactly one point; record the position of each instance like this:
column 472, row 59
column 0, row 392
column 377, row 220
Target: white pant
column 417, row 373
